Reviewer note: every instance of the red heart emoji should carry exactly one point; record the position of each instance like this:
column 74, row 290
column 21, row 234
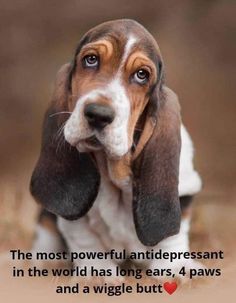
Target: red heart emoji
column 170, row 287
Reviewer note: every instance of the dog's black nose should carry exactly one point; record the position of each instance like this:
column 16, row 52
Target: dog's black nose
column 99, row 115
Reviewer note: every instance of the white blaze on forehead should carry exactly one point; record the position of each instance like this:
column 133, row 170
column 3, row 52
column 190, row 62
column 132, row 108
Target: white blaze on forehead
column 128, row 47
column 118, row 136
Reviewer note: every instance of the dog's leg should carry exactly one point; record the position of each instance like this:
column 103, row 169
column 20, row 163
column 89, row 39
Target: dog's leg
column 47, row 236
column 81, row 238
column 178, row 243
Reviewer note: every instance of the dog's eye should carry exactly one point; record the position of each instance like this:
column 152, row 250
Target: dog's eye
column 141, row 76
column 91, row 61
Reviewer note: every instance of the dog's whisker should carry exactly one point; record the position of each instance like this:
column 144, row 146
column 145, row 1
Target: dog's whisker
column 59, row 145
column 134, row 145
column 59, row 136
column 138, row 129
column 59, row 132
column 59, row 113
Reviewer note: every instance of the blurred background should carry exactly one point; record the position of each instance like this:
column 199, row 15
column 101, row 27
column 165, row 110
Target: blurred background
column 197, row 40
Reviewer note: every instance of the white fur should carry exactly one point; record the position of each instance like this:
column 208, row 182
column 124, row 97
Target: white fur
column 130, row 42
column 114, row 137
column 46, row 241
column 189, row 180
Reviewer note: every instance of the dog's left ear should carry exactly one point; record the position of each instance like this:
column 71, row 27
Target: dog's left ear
column 156, row 206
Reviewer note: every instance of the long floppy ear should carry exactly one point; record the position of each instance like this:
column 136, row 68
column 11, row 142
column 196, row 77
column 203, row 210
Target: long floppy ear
column 64, row 181
column 156, row 206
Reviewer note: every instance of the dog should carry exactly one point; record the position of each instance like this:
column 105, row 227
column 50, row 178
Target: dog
column 116, row 162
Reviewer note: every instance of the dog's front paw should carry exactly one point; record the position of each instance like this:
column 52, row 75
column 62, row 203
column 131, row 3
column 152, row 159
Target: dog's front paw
column 179, row 269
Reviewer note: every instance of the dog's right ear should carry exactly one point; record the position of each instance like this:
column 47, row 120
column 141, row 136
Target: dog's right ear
column 64, row 181
column 156, row 206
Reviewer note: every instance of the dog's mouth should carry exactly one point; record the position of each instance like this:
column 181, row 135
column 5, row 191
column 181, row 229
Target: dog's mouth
column 93, row 143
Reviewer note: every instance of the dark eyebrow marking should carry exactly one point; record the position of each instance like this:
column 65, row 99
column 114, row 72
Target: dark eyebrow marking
column 155, row 57
column 91, row 36
column 82, row 43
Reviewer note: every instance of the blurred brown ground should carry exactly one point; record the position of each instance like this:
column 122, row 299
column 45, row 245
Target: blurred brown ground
column 197, row 40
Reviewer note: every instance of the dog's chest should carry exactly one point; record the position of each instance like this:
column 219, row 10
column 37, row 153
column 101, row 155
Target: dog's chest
column 111, row 214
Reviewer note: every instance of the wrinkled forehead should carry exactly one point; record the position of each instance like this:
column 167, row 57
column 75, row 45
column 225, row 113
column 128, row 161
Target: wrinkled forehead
column 123, row 35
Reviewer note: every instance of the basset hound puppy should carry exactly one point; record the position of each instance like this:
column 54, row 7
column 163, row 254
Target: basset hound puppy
column 116, row 163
